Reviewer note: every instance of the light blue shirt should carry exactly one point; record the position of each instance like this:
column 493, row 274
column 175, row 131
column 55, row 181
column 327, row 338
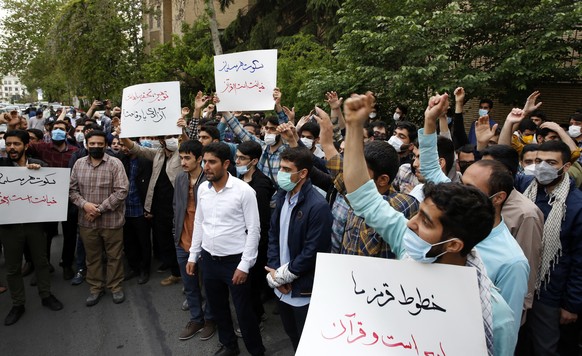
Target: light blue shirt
column 391, row 225
column 284, row 254
column 507, row 267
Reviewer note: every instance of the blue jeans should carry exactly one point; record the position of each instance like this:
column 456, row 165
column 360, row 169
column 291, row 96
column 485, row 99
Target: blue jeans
column 192, row 288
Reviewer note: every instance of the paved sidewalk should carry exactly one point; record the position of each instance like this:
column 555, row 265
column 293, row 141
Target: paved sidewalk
column 147, row 323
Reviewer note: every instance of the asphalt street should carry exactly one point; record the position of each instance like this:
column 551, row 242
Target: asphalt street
column 147, row 323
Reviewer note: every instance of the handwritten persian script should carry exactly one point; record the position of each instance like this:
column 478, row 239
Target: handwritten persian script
column 246, row 80
column 33, row 195
column 374, row 306
column 151, row 109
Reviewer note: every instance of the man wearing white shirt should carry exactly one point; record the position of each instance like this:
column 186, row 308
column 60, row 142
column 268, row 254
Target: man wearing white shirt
column 226, row 236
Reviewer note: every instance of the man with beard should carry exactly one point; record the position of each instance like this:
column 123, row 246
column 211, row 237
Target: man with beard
column 225, row 241
column 98, row 188
column 57, row 153
column 15, row 236
column 559, row 283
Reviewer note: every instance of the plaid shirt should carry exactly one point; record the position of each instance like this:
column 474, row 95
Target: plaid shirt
column 358, row 238
column 48, row 153
column 405, row 180
column 105, row 184
column 269, row 163
column 133, row 205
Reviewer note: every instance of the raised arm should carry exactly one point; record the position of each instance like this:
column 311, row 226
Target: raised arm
column 459, row 132
column 483, row 132
column 199, row 102
column 427, row 140
column 337, row 117
column 513, row 118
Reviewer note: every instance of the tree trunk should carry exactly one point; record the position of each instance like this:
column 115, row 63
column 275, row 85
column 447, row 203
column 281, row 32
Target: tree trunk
column 214, row 27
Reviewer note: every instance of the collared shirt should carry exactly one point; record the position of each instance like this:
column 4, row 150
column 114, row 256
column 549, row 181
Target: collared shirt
column 227, row 222
column 49, row 153
column 356, row 237
column 133, row 205
column 192, row 129
column 106, row 185
column 285, row 256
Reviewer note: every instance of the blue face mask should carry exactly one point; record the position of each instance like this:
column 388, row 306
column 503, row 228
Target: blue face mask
column 483, row 112
column 58, row 135
column 417, row 248
column 284, row 180
column 145, row 143
column 242, row 170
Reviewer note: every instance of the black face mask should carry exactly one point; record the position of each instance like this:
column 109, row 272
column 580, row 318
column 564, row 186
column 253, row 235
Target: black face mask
column 96, row 152
column 380, row 136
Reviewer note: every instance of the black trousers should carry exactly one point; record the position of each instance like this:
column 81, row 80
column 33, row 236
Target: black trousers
column 163, row 233
column 69, row 236
column 137, row 243
column 293, row 319
column 217, row 279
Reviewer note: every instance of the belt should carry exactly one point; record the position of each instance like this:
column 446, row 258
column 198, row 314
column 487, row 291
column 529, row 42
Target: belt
column 229, row 258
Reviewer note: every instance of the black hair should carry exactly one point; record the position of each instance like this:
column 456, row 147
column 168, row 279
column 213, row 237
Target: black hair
column 532, row 147
column 468, row 148
column 410, row 127
column 446, row 150
column 381, row 124
column 191, row 146
column 369, row 130
column 218, row 149
column 504, row 154
column 556, row 146
column 91, row 126
column 381, row 158
column 96, row 133
column 467, row 213
column 576, row 117
column 300, row 156
column 36, row 132
column 500, row 179
column 21, row 134
column 251, row 149
column 212, row 131
column 403, row 108
column 274, row 120
column 311, row 127
column 527, row 124
column 538, row 113
column 486, row 101
column 255, row 126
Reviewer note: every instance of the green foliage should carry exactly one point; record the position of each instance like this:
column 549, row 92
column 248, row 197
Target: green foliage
column 188, row 58
column 406, row 50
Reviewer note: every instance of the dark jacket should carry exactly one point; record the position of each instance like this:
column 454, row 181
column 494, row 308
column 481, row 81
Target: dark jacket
column 180, row 202
column 309, row 233
column 264, row 189
column 142, row 178
column 564, row 289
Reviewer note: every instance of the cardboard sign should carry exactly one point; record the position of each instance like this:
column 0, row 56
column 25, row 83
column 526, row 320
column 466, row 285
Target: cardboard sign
column 374, row 306
column 245, row 80
column 28, row 195
column 151, row 109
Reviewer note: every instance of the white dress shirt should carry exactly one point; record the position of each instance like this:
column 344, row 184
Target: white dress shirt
column 227, row 222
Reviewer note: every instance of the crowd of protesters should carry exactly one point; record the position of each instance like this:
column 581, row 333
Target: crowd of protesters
column 238, row 205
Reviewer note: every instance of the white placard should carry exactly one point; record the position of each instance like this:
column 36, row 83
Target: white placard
column 245, row 80
column 28, row 195
column 374, row 306
column 151, row 109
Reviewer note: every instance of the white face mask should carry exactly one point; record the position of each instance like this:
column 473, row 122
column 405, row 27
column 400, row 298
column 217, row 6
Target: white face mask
column 396, row 116
column 529, row 170
column 79, row 136
column 270, row 139
column 307, row 142
column 2, row 145
column 396, row 143
column 483, row 112
column 372, row 115
column 171, row 144
column 574, row 131
column 156, row 144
